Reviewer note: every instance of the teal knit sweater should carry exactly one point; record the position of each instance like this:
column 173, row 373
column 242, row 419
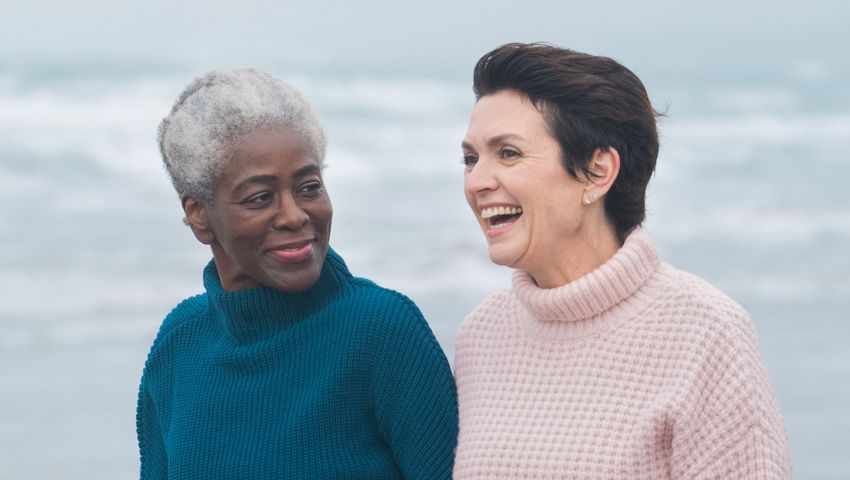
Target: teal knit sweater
column 342, row 381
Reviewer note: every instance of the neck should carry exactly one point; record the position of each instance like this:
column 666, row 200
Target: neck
column 576, row 308
column 231, row 276
column 578, row 256
column 250, row 314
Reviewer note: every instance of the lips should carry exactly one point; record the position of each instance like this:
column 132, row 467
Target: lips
column 293, row 251
column 499, row 218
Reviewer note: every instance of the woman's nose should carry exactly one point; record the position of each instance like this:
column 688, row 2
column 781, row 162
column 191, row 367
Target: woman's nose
column 480, row 178
column 290, row 215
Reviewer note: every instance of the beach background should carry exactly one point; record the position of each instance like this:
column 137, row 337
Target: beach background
column 751, row 190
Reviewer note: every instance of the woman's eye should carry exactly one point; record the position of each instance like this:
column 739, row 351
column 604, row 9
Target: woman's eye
column 259, row 200
column 469, row 160
column 311, row 189
column 509, row 153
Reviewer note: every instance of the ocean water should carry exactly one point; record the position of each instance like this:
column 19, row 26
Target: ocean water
column 750, row 193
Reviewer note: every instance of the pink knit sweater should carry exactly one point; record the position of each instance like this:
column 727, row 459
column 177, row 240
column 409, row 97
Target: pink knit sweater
column 634, row 371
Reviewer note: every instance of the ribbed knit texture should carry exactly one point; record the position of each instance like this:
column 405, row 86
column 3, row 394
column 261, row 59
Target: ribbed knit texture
column 634, row 371
column 342, row 381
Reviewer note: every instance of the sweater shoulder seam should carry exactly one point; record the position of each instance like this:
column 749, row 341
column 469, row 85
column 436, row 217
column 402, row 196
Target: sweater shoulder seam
column 388, row 295
column 749, row 433
column 181, row 315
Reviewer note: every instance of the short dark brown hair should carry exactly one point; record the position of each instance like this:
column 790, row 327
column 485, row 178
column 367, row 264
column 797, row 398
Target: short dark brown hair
column 589, row 102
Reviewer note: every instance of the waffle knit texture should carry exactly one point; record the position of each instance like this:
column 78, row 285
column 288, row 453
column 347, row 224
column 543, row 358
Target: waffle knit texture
column 634, row 371
column 343, row 380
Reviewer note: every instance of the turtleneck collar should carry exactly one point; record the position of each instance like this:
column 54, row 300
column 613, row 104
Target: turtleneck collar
column 577, row 306
column 252, row 314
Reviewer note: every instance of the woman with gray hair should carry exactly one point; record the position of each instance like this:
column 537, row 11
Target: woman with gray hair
column 287, row 366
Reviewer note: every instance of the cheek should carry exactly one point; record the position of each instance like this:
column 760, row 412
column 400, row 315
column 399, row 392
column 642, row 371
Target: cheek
column 245, row 231
column 564, row 221
column 322, row 214
column 552, row 217
column 470, row 199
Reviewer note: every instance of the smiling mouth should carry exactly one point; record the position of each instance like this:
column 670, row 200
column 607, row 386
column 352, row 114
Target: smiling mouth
column 500, row 217
column 295, row 252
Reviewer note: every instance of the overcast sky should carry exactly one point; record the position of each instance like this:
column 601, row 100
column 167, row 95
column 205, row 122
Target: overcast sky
column 436, row 34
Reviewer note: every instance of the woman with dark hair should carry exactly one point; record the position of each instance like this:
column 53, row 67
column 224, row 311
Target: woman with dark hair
column 600, row 361
column 287, row 366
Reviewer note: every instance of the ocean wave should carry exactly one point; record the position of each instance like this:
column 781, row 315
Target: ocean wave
column 773, row 129
column 400, row 99
column 754, row 224
column 82, row 158
column 386, row 121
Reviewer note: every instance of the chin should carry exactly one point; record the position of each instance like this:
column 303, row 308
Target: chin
column 298, row 283
column 500, row 257
column 299, row 278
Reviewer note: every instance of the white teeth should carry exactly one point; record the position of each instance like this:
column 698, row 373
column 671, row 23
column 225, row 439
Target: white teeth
column 493, row 211
column 498, row 226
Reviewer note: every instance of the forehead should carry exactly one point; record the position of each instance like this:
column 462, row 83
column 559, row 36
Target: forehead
column 278, row 151
column 270, row 142
column 504, row 112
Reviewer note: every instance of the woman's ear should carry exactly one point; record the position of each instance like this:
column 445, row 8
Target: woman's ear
column 604, row 167
column 197, row 219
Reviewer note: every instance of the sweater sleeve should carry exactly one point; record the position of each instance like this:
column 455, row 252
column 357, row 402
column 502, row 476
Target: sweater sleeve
column 414, row 395
column 731, row 426
column 154, row 461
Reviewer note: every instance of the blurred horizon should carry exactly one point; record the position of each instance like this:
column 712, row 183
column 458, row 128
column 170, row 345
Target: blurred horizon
column 442, row 37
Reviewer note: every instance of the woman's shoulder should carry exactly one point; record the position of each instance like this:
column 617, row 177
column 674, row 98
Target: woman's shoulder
column 363, row 297
column 496, row 302
column 385, row 317
column 694, row 290
column 380, row 304
column 185, row 312
column 491, row 312
column 701, row 305
column 379, row 294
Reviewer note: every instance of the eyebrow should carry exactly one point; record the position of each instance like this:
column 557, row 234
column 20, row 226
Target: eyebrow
column 494, row 141
column 301, row 172
column 307, row 170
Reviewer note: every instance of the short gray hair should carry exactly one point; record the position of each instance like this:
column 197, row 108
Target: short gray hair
column 215, row 111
